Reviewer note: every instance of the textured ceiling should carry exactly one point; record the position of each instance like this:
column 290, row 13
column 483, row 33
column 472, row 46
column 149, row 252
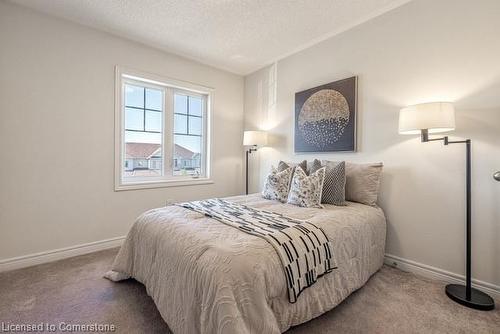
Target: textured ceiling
column 236, row 35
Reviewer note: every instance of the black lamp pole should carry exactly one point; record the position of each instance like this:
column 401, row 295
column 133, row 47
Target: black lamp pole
column 465, row 295
column 248, row 151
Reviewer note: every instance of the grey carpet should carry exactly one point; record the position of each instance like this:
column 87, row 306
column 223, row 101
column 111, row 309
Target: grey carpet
column 73, row 291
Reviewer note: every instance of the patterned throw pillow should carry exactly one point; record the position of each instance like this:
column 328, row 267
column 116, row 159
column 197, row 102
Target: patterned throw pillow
column 334, row 185
column 284, row 165
column 306, row 190
column 277, row 184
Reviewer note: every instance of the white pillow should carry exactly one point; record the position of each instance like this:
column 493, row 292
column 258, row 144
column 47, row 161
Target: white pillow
column 277, row 184
column 306, row 190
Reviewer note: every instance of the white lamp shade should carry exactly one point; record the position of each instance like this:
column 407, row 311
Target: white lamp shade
column 435, row 116
column 258, row 138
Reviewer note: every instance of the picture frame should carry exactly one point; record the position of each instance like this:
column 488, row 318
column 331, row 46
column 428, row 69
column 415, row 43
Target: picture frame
column 325, row 117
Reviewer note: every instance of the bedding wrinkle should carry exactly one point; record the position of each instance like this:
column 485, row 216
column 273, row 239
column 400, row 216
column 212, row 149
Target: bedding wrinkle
column 207, row 277
column 303, row 259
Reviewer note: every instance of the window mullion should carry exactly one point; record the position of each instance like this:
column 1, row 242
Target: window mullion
column 122, row 128
column 203, row 139
column 144, row 111
column 187, row 117
column 168, row 138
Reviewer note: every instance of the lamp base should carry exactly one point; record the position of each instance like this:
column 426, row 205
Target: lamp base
column 478, row 299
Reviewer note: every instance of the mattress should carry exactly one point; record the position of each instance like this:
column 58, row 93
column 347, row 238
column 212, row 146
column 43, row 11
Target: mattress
column 208, row 277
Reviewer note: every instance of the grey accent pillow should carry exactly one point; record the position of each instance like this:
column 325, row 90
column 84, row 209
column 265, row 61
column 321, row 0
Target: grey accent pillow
column 306, row 190
column 334, row 185
column 363, row 182
column 277, row 184
column 284, row 165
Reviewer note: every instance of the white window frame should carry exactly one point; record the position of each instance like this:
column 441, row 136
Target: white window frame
column 123, row 76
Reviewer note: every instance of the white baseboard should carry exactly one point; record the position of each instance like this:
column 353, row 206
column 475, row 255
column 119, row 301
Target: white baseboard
column 58, row 254
column 439, row 274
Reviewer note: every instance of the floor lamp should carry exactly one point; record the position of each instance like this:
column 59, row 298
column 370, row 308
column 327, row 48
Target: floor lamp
column 438, row 117
column 252, row 139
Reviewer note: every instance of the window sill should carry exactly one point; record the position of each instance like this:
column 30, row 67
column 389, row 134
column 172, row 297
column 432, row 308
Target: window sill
column 162, row 184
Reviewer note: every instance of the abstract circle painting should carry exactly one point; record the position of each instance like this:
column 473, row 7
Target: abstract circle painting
column 325, row 117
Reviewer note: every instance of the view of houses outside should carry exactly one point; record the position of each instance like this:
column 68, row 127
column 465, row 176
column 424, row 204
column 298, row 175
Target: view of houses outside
column 145, row 159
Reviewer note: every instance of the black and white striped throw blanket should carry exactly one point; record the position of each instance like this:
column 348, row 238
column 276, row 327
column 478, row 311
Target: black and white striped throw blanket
column 303, row 248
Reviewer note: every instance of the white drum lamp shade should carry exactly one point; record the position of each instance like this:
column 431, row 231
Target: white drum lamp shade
column 254, row 138
column 434, row 117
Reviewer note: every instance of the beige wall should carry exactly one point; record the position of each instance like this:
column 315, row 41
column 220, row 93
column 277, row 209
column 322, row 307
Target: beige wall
column 57, row 136
column 426, row 50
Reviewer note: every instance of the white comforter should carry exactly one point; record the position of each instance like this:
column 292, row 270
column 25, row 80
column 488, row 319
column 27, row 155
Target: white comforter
column 207, row 277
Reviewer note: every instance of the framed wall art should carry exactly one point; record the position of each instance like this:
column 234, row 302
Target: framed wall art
column 325, row 117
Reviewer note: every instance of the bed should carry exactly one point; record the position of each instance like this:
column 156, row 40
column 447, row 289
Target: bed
column 208, row 277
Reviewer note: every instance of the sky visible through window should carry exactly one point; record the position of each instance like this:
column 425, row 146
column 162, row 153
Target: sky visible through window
column 144, row 112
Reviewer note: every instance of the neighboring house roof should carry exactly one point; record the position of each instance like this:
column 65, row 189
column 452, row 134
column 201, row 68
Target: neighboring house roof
column 147, row 150
column 140, row 150
column 182, row 152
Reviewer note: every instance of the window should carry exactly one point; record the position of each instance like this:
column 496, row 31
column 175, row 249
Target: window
column 188, row 129
column 162, row 132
